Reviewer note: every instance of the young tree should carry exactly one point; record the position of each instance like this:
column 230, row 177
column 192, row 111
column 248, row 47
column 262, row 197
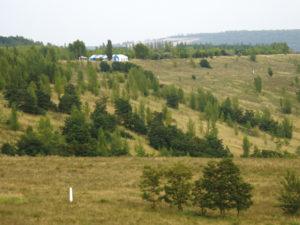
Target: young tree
column 151, row 186
column 13, row 122
column 118, row 147
column 258, row 84
column 69, row 99
column 178, row 185
column 191, row 130
column 198, row 196
column 289, row 195
column 246, row 147
column 109, row 50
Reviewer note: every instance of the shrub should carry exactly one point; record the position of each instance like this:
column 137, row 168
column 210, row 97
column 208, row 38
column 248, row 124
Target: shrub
column 289, row 195
column 8, row 149
column 104, row 66
column 286, row 106
column 205, row 64
column 270, row 72
column 253, row 57
column 150, row 185
column 258, row 84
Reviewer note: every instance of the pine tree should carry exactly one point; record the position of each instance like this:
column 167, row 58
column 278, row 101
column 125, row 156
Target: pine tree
column 191, row 130
column 258, row 84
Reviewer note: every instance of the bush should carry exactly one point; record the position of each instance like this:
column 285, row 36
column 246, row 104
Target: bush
column 104, row 66
column 270, row 72
column 289, row 195
column 205, row 64
column 258, row 84
column 253, row 57
column 8, row 149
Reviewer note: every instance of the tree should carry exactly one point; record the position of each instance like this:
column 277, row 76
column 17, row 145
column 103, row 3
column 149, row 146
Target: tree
column 150, row 185
column 141, row 51
column 69, row 99
column 289, row 195
column 258, row 84
column 224, row 188
column 246, row 147
column 198, row 196
column 109, row 50
column 77, row 133
column 101, row 119
column 77, row 49
column 178, row 185
column 13, row 122
column 270, row 72
column 205, row 64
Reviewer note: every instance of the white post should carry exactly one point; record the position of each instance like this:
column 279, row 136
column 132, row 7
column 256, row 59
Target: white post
column 71, row 194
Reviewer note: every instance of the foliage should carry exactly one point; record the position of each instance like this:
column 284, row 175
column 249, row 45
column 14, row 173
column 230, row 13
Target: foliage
column 8, row 149
column 178, row 185
column 13, row 122
column 205, row 64
column 258, row 84
column 253, row 57
column 141, row 51
column 286, row 105
column 270, row 72
column 223, row 188
column 150, row 185
column 77, row 49
column 104, row 66
column 109, row 50
column 69, row 100
column 289, row 195
column 180, row 144
column 246, row 147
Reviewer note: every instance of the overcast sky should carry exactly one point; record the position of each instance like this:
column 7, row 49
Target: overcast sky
column 95, row 21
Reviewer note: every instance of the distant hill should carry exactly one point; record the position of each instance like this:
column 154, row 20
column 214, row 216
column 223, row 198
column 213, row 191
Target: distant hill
column 291, row 37
column 16, row 40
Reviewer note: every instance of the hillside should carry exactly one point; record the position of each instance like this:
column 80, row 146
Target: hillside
column 291, row 37
column 229, row 77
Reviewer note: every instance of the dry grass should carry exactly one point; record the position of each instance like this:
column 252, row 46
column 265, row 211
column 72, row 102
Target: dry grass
column 35, row 191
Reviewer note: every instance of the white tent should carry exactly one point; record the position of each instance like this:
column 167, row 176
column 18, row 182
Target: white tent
column 119, row 58
column 98, row 57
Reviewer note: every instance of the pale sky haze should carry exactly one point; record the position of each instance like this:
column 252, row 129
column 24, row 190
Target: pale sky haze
column 95, row 21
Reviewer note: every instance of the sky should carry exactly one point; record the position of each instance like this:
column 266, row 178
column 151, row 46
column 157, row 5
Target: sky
column 94, row 21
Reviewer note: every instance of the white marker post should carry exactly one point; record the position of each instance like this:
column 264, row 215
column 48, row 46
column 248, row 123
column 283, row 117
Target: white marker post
column 71, row 194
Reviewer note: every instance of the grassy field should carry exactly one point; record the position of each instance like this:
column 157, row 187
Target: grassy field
column 35, row 191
